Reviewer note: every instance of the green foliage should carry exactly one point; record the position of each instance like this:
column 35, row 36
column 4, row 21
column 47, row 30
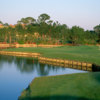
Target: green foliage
column 1, row 22
column 6, row 24
column 49, row 32
column 21, row 42
column 76, row 35
column 43, row 18
column 97, row 30
column 27, row 21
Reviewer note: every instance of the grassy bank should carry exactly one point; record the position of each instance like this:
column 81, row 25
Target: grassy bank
column 84, row 86
column 80, row 53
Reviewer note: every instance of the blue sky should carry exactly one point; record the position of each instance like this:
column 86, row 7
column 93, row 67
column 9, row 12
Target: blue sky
column 83, row 13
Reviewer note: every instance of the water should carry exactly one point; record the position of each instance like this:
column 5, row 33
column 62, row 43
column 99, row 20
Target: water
column 17, row 73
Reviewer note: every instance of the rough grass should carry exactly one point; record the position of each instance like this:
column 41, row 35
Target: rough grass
column 84, row 86
column 79, row 53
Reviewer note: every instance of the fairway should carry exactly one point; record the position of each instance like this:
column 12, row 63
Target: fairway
column 79, row 53
column 43, row 43
column 84, row 86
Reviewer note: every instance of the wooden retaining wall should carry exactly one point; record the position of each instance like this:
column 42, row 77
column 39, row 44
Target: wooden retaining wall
column 56, row 62
column 23, row 54
column 66, row 63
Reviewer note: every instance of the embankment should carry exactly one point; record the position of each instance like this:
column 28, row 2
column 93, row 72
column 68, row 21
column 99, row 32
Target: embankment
column 56, row 62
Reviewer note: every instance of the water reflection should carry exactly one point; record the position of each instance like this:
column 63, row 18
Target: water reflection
column 24, row 65
column 16, row 73
column 28, row 65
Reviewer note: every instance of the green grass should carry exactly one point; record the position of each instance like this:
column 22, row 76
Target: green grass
column 84, row 86
column 80, row 53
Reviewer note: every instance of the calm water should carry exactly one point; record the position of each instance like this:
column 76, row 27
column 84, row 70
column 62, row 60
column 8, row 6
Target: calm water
column 17, row 73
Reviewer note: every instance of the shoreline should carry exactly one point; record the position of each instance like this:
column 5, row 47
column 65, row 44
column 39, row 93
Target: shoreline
column 56, row 62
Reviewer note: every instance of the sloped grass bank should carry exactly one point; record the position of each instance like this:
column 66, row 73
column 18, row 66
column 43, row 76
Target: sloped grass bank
column 82, row 86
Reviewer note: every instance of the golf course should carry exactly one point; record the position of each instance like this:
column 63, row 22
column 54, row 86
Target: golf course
column 80, row 86
column 78, row 53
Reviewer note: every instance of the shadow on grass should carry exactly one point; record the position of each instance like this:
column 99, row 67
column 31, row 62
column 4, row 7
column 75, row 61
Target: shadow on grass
column 51, row 97
column 55, row 98
column 96, row 76
column 93, row 79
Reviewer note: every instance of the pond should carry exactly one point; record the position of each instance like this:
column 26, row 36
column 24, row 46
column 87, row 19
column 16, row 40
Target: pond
column 16, row 74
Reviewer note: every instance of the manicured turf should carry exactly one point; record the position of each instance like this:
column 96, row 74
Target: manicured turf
column 79, row 53
column 84, row 86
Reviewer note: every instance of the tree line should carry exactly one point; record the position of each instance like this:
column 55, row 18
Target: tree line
column 46, row 31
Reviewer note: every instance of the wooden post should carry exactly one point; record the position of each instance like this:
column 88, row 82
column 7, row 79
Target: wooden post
column 81, row 65
column 68, row 62
column 77, row 64
column 72, row 63
column 64, row 64
column 86, row 66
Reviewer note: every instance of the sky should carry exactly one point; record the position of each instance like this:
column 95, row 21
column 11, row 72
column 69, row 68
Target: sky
column 83, row 13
